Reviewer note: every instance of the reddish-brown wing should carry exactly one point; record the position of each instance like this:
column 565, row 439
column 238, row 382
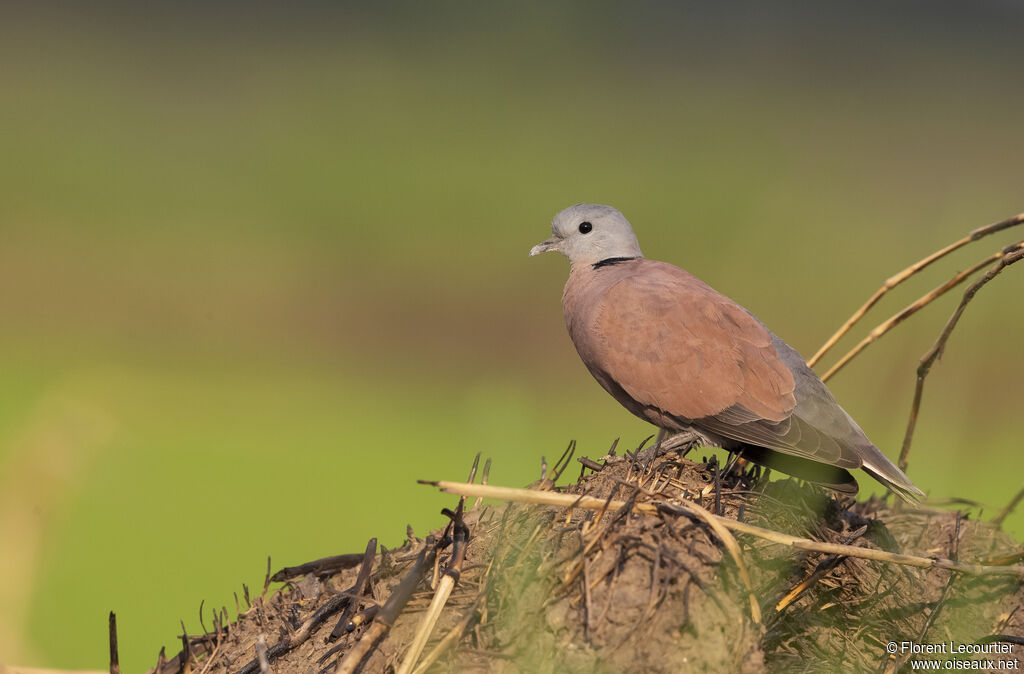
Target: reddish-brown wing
column 672, row 342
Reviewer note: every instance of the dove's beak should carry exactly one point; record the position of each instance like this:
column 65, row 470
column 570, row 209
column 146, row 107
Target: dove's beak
column 545, row 246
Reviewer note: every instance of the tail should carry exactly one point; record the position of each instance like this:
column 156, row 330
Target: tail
column 895, row 479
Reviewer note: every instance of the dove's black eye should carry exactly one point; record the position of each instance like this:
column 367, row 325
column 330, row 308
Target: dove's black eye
column 585, row 227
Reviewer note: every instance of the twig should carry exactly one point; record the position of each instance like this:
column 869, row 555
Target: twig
column 588, row 625
column 389, row 612
column 460, row 541
column 290, row 641
column 1013, row 254
column 202, row 624
column 266, row 579
column 1005, row 512
column 115, row 666
column 902, row 276
column 364, row 616
column 358, row 589
column 213, row 656
column 824, row 566
column 912, row 308
column 650, row 508
column 320, row 567
column 563, row 462
column 483, row 480
column 472, row 471
column 186, row 651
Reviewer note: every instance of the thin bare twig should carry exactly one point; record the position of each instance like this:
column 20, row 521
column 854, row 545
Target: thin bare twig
column 1004, row 513
column 115, row 666
column 266, row 579
column 902, row 276
column 212, row 657
column 483, row 480
column 824, row 566
column 915, row 306
column 336, row 603
column 389, row 612
column 186, row 651
column 320, row 567
column 1014, row 254
column 357, row 590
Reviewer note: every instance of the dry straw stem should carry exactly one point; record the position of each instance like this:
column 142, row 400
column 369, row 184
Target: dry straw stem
column 460, row 540
column 1012, row 254
column 448, row 640
column 591, row 503
column 389, row 613
column 826, row 565
column 426, row 626
column 471, row 616
column 902, row 276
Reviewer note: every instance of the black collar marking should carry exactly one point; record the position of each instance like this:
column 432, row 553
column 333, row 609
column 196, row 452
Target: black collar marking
column 612, row 260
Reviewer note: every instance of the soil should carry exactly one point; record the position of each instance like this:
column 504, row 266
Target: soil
column 546, row 589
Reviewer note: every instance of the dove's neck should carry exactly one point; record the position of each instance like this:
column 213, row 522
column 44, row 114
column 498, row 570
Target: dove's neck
column 587, row 286
column 609, row 261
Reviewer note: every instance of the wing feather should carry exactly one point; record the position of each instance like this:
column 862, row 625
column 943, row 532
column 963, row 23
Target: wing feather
column 673, row 343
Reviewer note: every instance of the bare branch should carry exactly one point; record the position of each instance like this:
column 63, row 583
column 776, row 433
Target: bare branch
column 916, row 306
column 1012, row 255
column 902, row 276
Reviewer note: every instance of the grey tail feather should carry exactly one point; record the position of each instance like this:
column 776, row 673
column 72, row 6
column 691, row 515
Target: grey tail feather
column 897, row 481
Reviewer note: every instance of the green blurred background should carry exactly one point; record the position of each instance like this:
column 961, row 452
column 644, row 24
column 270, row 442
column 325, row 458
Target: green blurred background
column 264, row 266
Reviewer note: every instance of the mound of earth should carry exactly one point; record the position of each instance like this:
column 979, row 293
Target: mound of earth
column 555, row 589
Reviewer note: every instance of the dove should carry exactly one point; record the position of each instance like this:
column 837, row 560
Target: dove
column 684, row 357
